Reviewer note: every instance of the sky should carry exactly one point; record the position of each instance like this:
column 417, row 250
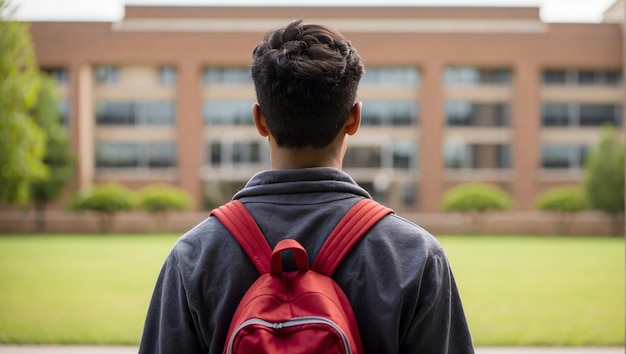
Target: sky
column 113, row 10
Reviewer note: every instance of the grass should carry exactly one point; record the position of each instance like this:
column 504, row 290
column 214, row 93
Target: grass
column 548, row 291
column 516, row 290
column 77, row 289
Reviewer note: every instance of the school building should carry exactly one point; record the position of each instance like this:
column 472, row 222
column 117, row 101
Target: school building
column 451, row 95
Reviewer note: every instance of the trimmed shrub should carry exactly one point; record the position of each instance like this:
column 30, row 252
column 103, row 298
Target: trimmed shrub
column 107, row 200
column 159, row 199
column 564, row 201
column 475, row 199
column 568, row 199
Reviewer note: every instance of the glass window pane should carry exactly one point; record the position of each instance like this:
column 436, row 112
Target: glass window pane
column 227, row 75
column 115, row 113
column 393, row 113
column 107, row 74
column 231, row 112
column 466, row 75
column 554, row 77
column 363, row 157
column 554, row 114
column 393, row 76
column 160, row 155
column 599, row 114
column 116, row 155
column 403, row 152
column 168, row 75
column 157, row 112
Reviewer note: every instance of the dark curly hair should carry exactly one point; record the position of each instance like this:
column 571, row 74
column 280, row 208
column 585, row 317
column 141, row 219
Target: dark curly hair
column 306, row 77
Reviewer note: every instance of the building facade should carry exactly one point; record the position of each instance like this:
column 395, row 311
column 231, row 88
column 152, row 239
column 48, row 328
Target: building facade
column 450, row 95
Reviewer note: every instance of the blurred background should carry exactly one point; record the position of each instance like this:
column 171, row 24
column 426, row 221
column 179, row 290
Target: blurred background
column 512, row 94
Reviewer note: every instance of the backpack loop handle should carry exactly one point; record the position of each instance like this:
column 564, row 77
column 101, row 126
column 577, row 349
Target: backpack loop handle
column 299, row 253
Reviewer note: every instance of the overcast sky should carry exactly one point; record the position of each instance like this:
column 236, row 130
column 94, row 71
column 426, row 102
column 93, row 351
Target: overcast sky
column 113, row 10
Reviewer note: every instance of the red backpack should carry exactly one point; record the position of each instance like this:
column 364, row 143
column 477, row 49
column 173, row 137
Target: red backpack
column 303, row 311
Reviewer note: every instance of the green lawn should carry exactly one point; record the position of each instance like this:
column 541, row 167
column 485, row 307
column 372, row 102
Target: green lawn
column 516, row 290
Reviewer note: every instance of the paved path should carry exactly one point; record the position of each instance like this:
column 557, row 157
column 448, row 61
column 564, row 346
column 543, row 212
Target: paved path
column 52, row 349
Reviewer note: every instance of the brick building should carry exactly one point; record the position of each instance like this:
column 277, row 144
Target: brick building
column 451, row 95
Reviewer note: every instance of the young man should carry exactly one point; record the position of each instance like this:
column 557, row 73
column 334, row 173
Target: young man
column 397, row 277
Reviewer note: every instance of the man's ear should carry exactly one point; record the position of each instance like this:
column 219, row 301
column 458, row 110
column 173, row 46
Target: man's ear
column 354, row 119
column 259, row 120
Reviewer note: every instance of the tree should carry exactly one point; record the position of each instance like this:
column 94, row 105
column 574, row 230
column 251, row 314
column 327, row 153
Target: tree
column 58, row 158
column 22, row 143
column 475, row 199
column 565, row 202
column 107, row 200
column 160, row 199
column 604, row 177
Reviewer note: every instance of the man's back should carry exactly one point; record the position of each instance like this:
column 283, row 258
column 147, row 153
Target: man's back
column 397, row 278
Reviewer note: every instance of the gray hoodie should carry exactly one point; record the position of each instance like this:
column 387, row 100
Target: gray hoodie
column 397, row 278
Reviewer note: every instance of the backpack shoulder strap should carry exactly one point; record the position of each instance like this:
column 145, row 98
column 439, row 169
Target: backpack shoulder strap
column 357, row 221
column 238, row 221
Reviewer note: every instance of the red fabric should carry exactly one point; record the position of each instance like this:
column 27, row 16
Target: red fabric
column 280, row 297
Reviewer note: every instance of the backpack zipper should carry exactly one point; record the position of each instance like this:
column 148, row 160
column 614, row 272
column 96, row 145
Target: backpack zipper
column 291, row 323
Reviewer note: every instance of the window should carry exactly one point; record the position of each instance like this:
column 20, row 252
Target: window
column 464, row 113
column 392, row 76
column 226, row 75
column 135, row 155
column 168, row 75
column 555, row 114
column 581, row 77
column 363, row 157
column 465, row 75
column 584, row 115
column 64, row 111
column 161, row 113
column 238, row 153
column 107, row 74
column 563, row 156
column 477, row 156
column 600, row 114
column 58, row 74
column 398, row 155
column 393, row 113
column 228, row 112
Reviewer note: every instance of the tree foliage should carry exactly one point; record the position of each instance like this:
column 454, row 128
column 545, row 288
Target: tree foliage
column 107, row 200
column 22, row 142
column 58, row 158
column 604, row 176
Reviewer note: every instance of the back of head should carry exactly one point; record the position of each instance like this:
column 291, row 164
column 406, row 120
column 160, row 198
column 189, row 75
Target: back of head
column 306, row 78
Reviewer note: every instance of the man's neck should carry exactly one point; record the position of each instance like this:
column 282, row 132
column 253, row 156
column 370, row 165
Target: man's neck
column 282, row 158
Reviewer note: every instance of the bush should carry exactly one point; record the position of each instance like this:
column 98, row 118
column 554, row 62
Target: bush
column 475, row 199
column 163, row 198
column 565, row 201
column 160, row 199
column 107, row 200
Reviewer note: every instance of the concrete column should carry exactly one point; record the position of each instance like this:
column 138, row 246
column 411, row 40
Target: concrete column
column 82, row 123
column 526, row 124
column 432, row 125
column 189, row 129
